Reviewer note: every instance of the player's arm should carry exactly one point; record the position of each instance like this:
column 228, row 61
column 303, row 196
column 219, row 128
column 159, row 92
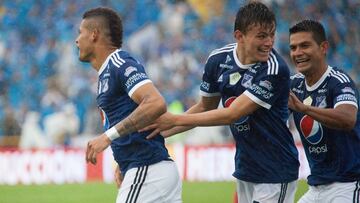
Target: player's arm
column 241, row 106
column 167, row 128
column 341, row 117
column 151, row 106
column 118, row 177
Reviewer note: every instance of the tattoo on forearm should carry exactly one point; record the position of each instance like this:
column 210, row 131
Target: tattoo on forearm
column 138, row 119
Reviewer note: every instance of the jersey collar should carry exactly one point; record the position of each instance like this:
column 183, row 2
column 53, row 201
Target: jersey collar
column 319, row 82
column 103, row 66
column 238, row 63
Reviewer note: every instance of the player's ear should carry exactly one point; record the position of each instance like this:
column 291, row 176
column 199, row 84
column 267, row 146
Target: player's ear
column 324, row 46
column 238, row 35
column 95, row 34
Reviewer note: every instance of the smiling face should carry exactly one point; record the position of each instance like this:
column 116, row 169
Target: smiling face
column 306, row 53
column 256, row 43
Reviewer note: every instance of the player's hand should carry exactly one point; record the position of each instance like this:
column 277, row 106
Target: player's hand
column 295, row 104
column 163, row 123
column 95, row 146
column 118, row 177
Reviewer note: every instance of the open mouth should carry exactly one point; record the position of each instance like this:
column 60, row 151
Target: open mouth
column 301, row 61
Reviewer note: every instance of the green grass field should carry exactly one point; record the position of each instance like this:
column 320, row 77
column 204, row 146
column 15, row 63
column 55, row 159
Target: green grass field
column 193, row 192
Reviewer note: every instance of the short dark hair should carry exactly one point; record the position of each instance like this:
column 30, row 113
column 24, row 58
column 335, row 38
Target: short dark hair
column 315, row 27
column 254, row 13
column 112, row 22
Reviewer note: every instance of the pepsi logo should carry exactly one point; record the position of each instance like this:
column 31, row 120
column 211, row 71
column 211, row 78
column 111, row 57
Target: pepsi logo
column 104, row 119
column 229, row 101
column 311, row 130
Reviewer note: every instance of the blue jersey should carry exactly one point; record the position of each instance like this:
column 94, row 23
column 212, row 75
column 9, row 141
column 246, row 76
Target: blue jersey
column 333, row 155
column 265, row 148
column 119, row 77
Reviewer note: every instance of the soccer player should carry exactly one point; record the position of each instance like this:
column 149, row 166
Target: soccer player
column 128, row 101
column 324, row 101
column 252, row 81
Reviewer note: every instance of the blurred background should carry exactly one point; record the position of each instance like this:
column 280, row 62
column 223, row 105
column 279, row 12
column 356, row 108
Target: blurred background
column 47, row 97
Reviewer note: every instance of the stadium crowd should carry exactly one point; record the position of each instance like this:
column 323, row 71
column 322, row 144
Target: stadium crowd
column 42, row 83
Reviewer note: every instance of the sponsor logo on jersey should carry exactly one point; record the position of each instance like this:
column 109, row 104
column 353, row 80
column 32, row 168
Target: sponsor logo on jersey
column 300, row 84
column 247, row 80
column 220, row 79
column 318, row 149
column 253, row 70
column 129, row 70
column 267, row 84
column 241, row 124
column 205, row 85
column 322, row 91
column 261, row 91
column 229, row 101
column 104, row 119
column 228, row 59
column 308, row 101
column 225, row 66
column 348, row 90
column 311, row 130
column 346, row 97
column 234, row 78
column 135, row 78
column 321, row 102
column 296, row 90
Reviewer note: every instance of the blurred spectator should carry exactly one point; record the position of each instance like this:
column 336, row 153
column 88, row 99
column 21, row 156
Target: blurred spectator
column 39, row 70
column 9, row 124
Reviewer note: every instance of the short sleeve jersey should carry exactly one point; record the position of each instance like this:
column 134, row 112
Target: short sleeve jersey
column 265, row 149
column 119, row 77
column 333, row 155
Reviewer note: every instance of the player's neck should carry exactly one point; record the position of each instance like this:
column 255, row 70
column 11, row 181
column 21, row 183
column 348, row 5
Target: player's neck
column 100, row 56
column 241, row 55
column 314, row 76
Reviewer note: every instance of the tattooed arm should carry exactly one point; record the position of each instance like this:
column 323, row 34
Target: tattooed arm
column 151, row 106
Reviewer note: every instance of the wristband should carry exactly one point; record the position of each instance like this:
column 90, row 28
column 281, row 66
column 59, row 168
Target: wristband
column 112, row 133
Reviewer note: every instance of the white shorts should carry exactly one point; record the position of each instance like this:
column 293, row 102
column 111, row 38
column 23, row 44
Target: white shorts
column 158, row 183
column 333, row 193
column 265, row 192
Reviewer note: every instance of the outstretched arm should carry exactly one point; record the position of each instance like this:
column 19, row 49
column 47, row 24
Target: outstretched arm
column 241, row 106
column 151, row 106
column 166, row 127
column 342, row 117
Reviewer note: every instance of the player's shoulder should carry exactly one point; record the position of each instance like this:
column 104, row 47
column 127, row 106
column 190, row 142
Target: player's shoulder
column 297, row 79
column 120, row 58
column 337, row 75
column 276, row 65
column 219, row 53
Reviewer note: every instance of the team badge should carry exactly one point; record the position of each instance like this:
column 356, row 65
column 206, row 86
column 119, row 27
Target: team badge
column 308, row 101
column 311, row 130
column 247, row 80
column 321, row 102
column 234, row 78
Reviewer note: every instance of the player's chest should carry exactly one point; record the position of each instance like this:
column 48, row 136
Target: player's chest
column 319, row 97
column 107, row 91
column 235, row 81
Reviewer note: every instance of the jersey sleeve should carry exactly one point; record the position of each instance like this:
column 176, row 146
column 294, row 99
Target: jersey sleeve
column 266, row 88
column 131, row 76
column 345, row 92
column 209, row 86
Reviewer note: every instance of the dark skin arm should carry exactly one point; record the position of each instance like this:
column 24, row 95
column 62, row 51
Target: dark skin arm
column 342, row 117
